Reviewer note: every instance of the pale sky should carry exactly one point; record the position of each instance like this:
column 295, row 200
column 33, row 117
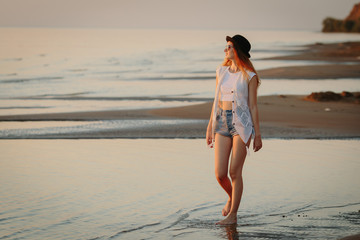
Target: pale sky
column 173, row 14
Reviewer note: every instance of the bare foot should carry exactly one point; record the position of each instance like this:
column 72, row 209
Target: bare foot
column 227, row 208
column 231, row 219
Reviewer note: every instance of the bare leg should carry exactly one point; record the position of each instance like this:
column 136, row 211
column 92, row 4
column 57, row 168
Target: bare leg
column 222, row 152
column 237, row 162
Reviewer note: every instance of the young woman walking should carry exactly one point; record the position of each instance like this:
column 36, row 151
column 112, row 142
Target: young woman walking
column 234, row 119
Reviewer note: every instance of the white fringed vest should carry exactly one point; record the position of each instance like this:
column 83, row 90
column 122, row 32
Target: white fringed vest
column 240, row 107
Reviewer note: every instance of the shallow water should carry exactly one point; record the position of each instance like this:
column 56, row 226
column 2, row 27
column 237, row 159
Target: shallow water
column 52, row 129
column 162, row 189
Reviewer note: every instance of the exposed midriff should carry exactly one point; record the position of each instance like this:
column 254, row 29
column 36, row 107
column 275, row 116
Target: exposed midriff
column 225, row 105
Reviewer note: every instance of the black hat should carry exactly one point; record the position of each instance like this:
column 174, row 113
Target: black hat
column 240, row 43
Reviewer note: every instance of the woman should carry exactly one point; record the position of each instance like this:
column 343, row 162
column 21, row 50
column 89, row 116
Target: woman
column 234, row 119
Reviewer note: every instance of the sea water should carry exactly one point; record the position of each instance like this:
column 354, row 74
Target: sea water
column 166, row 189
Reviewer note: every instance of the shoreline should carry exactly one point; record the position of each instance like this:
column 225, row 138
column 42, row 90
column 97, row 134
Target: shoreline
column 281, row 116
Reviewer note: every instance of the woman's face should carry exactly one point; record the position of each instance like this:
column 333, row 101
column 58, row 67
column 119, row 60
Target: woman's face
column 229, row 51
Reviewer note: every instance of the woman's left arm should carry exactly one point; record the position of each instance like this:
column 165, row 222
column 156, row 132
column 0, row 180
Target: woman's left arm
column 253, row 85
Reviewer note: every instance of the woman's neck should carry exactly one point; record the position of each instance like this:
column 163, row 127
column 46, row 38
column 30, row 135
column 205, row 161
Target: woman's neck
column 234, row 68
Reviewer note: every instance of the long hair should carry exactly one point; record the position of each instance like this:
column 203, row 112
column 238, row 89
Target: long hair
column 242, row 62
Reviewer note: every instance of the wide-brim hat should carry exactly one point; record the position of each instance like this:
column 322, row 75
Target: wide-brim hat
column 240, row 43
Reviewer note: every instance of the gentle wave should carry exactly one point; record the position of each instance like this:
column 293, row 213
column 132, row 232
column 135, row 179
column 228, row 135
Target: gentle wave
column 140, row 98
column 179, row 78
column 25, row 107
column 22, row 80
column 133, row 229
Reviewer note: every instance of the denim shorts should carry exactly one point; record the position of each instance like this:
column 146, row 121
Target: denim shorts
column 224, row 125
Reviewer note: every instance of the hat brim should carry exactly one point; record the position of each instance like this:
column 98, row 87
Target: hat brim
column 229, row 39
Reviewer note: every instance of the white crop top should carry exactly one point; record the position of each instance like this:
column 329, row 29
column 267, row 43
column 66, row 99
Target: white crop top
column 227, row 85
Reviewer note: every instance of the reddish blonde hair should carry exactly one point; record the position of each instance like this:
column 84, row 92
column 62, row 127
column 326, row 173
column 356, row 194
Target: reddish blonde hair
column 244, row 63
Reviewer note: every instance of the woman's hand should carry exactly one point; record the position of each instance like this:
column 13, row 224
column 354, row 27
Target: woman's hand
column 257, row 143
column 209, row 139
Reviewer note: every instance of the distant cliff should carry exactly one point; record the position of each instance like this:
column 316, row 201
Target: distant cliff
column 350, row 24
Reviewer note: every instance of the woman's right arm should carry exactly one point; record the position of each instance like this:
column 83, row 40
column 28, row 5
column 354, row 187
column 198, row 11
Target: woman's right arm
column 209, row 137
column 209, row 132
